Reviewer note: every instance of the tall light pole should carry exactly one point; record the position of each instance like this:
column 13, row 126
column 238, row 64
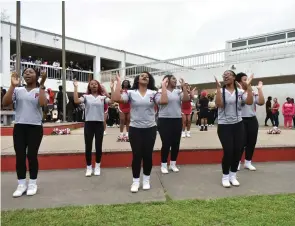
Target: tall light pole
column 18, row 47
column 64, row 61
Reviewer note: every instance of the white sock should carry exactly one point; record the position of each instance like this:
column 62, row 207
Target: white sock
column 32, row 181
column 146, row 178
column 89, row 167
column 247, row 162
column 225, row 177
column 164, row 165
column 22, row 181
column 232, row 174
column 97, row 165
column 136, row 180
column 121, row 134
column 127, row 134
column 188, row 132
column 172, row 163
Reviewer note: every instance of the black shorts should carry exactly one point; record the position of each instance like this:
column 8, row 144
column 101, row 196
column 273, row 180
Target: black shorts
column 204, row 113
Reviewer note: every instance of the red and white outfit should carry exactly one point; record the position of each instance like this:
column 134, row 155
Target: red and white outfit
column 186, row 108
column 288, row 110
column 124, row 107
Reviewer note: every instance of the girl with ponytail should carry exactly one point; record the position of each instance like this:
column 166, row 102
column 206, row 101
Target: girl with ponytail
column 229, row 100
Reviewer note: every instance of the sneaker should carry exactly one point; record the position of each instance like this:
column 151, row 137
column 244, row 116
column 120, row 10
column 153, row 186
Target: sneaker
column 134, row 187
column 202, row 128
column 183, row 134
column 206, row 128
column 97, row 171
column 104, row 133
column 173, row 167
column 248, row 165
column 146, row 183
column 225, row 181
column 88, row 172
column 233, row 179
column 20, row 190
column 32, row 189
column 188, row 134
column 164, row 168
column 239, row 166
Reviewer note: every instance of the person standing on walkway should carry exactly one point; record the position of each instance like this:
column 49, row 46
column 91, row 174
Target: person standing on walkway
column 94, row 102
column 230, row 126
column 124, row 111
column 28, row 129
column 268, row 112
column 142, row 130
column 186, row 111
column 275, row 112
column 59, row 102
column 288, row 110
column 204, row 111
column 250, row 121
column 170, row 121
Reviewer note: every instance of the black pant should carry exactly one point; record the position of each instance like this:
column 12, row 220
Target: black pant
column 60, row 112
column 170, row 133
column 27, row 139
column 276, row 119
column 251, row 133
column 294, row 121
column 211, row 117
column 269, row 116
column 231, row 137
column 92, row 128
column 142, row 141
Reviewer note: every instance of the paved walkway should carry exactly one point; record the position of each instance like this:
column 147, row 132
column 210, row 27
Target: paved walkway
column 199, row 140
column 71, row 187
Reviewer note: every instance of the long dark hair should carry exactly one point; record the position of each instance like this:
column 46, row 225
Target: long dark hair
column 99, row 89
column 128, row 86
column 236, row 92
column 37, row 74
column 239, row 76
column 151, row 84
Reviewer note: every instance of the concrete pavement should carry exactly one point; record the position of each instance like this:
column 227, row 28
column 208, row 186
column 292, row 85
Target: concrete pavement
column 200, row 140
column 71, row 187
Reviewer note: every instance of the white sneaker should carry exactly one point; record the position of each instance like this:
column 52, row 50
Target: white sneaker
column 32, row 189
column 20, row 190
column 239, row 166
column 104, row 133
column 97, row 171
column 183, row 134
column 164, row 168
column 248, row 165
column 88, row 172
column 173, row 167
column 225, row 181
column 188, row 134
column 134, row 187
column 233, row 179
column 146, row 183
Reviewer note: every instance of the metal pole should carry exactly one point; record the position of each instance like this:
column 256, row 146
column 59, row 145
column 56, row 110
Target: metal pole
column 18, row 47
column 64, row 61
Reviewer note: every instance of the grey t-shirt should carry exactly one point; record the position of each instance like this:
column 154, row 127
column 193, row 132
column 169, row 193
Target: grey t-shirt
column 173, row 108
column 94, row 107
column 142, row 113
column 229, row 114
column 250, row 110
column 27, row 107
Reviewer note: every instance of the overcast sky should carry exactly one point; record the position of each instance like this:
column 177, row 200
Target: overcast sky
column 159, row 29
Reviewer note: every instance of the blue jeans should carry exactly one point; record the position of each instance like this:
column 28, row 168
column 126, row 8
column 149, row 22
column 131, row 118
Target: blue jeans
column 276, row 118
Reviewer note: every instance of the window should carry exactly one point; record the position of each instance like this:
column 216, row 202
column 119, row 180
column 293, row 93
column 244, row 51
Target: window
column 276, row 37
column 291, row 34
column 256, row 41
column 238, row 44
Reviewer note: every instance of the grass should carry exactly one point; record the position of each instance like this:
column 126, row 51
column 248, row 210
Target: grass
column 256, row 210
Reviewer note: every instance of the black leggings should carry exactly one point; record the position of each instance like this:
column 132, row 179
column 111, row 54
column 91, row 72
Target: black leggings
column 269, row 116
column 251, row 133
column 170, row 133
column 142, row 141
column 231, row 137
column 92, row 128
column 27, row 139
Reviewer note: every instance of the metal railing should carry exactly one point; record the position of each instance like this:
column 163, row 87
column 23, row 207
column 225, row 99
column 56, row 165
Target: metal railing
column 259, row 52
column 55, row 72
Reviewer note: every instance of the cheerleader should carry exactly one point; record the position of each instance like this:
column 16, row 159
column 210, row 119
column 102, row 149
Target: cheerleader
column 170, row 121
column 124, row 111
column 230, row 129
column 250, row 121
column 142, row 130
column 186, row 111
column 94, row 101
column 28, row 129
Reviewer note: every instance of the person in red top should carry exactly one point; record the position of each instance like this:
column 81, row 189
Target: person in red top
column 124, row 109
column 186, row 110
column 288, row 110
column 275, row 112
column 51, row 96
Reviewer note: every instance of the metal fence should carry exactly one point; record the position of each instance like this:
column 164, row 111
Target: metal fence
column 55, row 72
column 259, row 52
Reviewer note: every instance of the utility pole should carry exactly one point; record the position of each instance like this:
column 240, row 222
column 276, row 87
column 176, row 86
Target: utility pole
column 18, row 44
column 64, row 61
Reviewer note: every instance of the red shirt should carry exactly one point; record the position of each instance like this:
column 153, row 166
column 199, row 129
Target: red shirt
column 124, row 107
column 275, row 105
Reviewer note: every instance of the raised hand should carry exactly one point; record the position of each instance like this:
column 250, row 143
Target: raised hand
column 43, row 77
column 182, row 83
column 259, row 85
column 247, row 84
column 15, row 80
column 218, row 85
column 193, row 91
column 75, row 83
column 112, row 84
column 165, row 82
column 239, row 85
